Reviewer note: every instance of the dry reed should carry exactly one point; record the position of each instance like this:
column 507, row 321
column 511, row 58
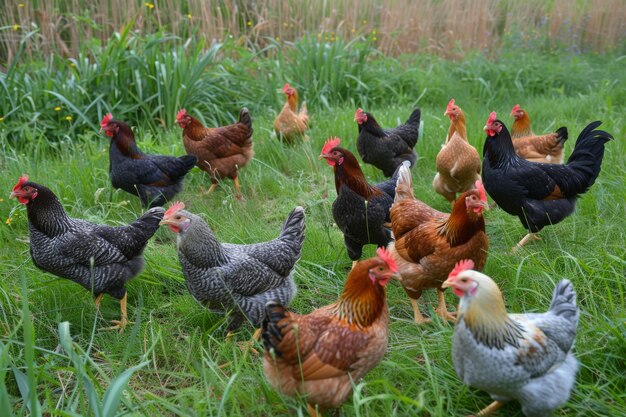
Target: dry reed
column 444, row 27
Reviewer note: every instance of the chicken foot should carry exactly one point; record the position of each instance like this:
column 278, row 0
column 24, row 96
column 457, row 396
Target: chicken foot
column 491, row 408
column 123, row 321
column 442, row 310
column 417, row 315
column 525, row 240
column 238, row 194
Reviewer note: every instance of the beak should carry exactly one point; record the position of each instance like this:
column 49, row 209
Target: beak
column 445, row 113
column 448, row 283
column 166, row 221
column 13, row 195
column 323, row 156
column 485, row 205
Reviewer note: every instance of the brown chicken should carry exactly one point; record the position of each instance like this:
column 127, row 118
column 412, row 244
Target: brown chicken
column 546, row 148
column 428, row 243
column 322, row 354
column 290, row 124
column 221, row 151
column 458, row 162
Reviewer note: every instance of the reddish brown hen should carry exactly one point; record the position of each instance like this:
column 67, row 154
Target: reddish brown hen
column 221, row 151
column 428, row 243
column 546, row 148
column 322, row 354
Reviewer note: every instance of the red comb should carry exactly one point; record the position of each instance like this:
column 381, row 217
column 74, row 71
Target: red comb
column 386, row 256
column 515, row 108
column 181, row 113
column 492, row 118
column 450, row 104
column 286, row 88
column 461, row 266
column 481, row 190
column 359, row 112
column 177, row 206
column 20, row 182
column 105, row 120
column 331, row 143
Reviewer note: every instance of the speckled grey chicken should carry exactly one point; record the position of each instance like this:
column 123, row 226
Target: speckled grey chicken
column 100, row 258
column 523, row 357
column 238, row 277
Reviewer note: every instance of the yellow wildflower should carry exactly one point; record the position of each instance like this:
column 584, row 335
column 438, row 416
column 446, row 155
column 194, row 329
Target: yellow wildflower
column 1, row 119
column 352, row 30
column 374, row 38
column 374, row 32
column 16, row 27
column 20, row 5
column 364, row 22
column 149, row 5
column 68, row 118
column 189, row 16
column 1, row 200
column 277, row 38
column 57, row 108
column 249, row 23
column 9, row 220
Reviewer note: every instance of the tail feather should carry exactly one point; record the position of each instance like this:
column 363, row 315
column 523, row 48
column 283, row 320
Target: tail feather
column 564, row 301
column 245, row 118
column 189, row 161
column 415, row 117
column 272, row 332
column 586, row 159
column 293, row 229
column 404, row 184
column 562, row 135
column 389, row 186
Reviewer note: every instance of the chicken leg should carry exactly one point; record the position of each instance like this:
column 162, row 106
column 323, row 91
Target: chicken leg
column 123, row 321
column 238, row 194
column 525, row 240
column 212, row 188
column 491, row 408
column 442, row 310
column 312, row 411
column 98, row 300
column 417, row 315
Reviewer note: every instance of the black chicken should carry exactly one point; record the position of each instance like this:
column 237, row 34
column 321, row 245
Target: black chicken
column 98, row 257
column 155, row 179
column 360, row 210
column 386, row 149
column 539, row 194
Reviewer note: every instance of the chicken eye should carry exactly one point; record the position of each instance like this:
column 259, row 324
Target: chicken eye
column 177, row 217
column 463, row 280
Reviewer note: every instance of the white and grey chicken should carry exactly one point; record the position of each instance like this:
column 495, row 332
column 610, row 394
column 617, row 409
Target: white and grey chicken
column 523, row 357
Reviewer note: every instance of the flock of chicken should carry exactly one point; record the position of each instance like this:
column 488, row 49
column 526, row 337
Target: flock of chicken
column 526, row 357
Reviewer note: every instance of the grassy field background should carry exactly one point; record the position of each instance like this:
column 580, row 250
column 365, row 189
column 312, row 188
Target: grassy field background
column 175, row 357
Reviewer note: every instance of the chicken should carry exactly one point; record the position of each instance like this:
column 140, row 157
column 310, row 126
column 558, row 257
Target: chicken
column 428, row 242
column 155, row 179
column 458, row 162
column 360, row 210
column 539, row 194
column 523, row 357
column 290, row 124
column 221, row 151
column 100, row 258
column 239, row 277
column 387, row 149
column 322, row 354
column 546, row 148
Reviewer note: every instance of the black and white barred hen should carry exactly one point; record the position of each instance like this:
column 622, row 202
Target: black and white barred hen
column 100, row 258
column 241, row 278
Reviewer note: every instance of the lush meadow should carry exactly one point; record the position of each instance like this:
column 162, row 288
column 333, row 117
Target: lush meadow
column 174, row 358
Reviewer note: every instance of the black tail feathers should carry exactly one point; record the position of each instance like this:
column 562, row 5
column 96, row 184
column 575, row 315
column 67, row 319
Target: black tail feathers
column 245, row 118
column 562, row 134
column 415, row 117
column 272, row 332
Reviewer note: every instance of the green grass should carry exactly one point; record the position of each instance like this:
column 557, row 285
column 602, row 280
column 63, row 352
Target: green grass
column 175, row 358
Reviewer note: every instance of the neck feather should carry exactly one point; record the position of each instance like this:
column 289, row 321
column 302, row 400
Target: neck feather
column 349, row 173
column 521, row 127
column 293, row 102
column 361, row 302
column 124, row 141
column 461, row 225
column 486, row 317
column 372, row 126
column 194, row 129
column 199, row 244
column 46, row 214
column 459, row 126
